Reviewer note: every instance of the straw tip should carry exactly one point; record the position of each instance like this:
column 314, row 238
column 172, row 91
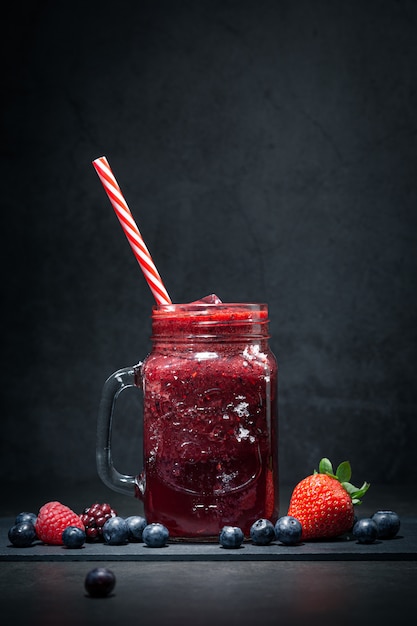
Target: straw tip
column 99, row 159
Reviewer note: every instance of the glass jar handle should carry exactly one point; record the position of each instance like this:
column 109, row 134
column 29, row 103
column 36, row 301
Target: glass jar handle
column 116, row 383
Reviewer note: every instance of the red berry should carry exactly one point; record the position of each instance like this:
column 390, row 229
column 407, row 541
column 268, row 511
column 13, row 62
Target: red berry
column 101, row 520
column 323, row 502
column 92, row 533
column 53, row 518
column 322, row 506
column 94, row 517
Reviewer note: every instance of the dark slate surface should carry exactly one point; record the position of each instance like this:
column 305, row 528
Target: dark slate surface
column 402, row 547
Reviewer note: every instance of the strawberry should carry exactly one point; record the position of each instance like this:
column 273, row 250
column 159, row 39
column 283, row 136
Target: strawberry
column 323, row 502
column 53, row 518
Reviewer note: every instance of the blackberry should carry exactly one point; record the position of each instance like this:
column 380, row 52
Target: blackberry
column 94, row 517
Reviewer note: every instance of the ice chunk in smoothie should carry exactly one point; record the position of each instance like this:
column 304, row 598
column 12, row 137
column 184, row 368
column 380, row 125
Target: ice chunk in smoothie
column 211, row 299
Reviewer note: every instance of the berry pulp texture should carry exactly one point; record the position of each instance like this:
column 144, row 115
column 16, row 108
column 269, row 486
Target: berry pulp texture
column 209, row 423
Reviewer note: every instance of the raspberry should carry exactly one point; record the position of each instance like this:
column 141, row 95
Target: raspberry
column 52, row 520
column 94, row 517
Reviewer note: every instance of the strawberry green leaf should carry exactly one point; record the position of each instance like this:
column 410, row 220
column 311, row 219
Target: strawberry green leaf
column 344, row 472
column 325, row 467
column 361, row 492
column 351, row 489
column 355, row 493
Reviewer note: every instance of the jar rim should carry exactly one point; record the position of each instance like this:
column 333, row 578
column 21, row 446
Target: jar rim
column 239, row 320
column 215, row 312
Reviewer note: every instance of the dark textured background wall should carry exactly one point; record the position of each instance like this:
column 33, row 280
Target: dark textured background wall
column 267, row 150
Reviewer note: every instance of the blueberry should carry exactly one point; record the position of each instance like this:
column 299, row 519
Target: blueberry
column 262, row 532
column 231, row 537
column 22, row 535
column 73, row 537
column 365, row 530
column 288, row 530
column 155, row 535
column 26, row 517
column 99, row 582
column 388, row 524
column 115, row 531
column 135, row 525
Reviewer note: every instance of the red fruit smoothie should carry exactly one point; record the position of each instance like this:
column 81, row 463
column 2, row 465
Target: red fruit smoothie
column 210, row 420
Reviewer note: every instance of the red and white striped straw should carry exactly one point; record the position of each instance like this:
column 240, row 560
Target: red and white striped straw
column 131, row 231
